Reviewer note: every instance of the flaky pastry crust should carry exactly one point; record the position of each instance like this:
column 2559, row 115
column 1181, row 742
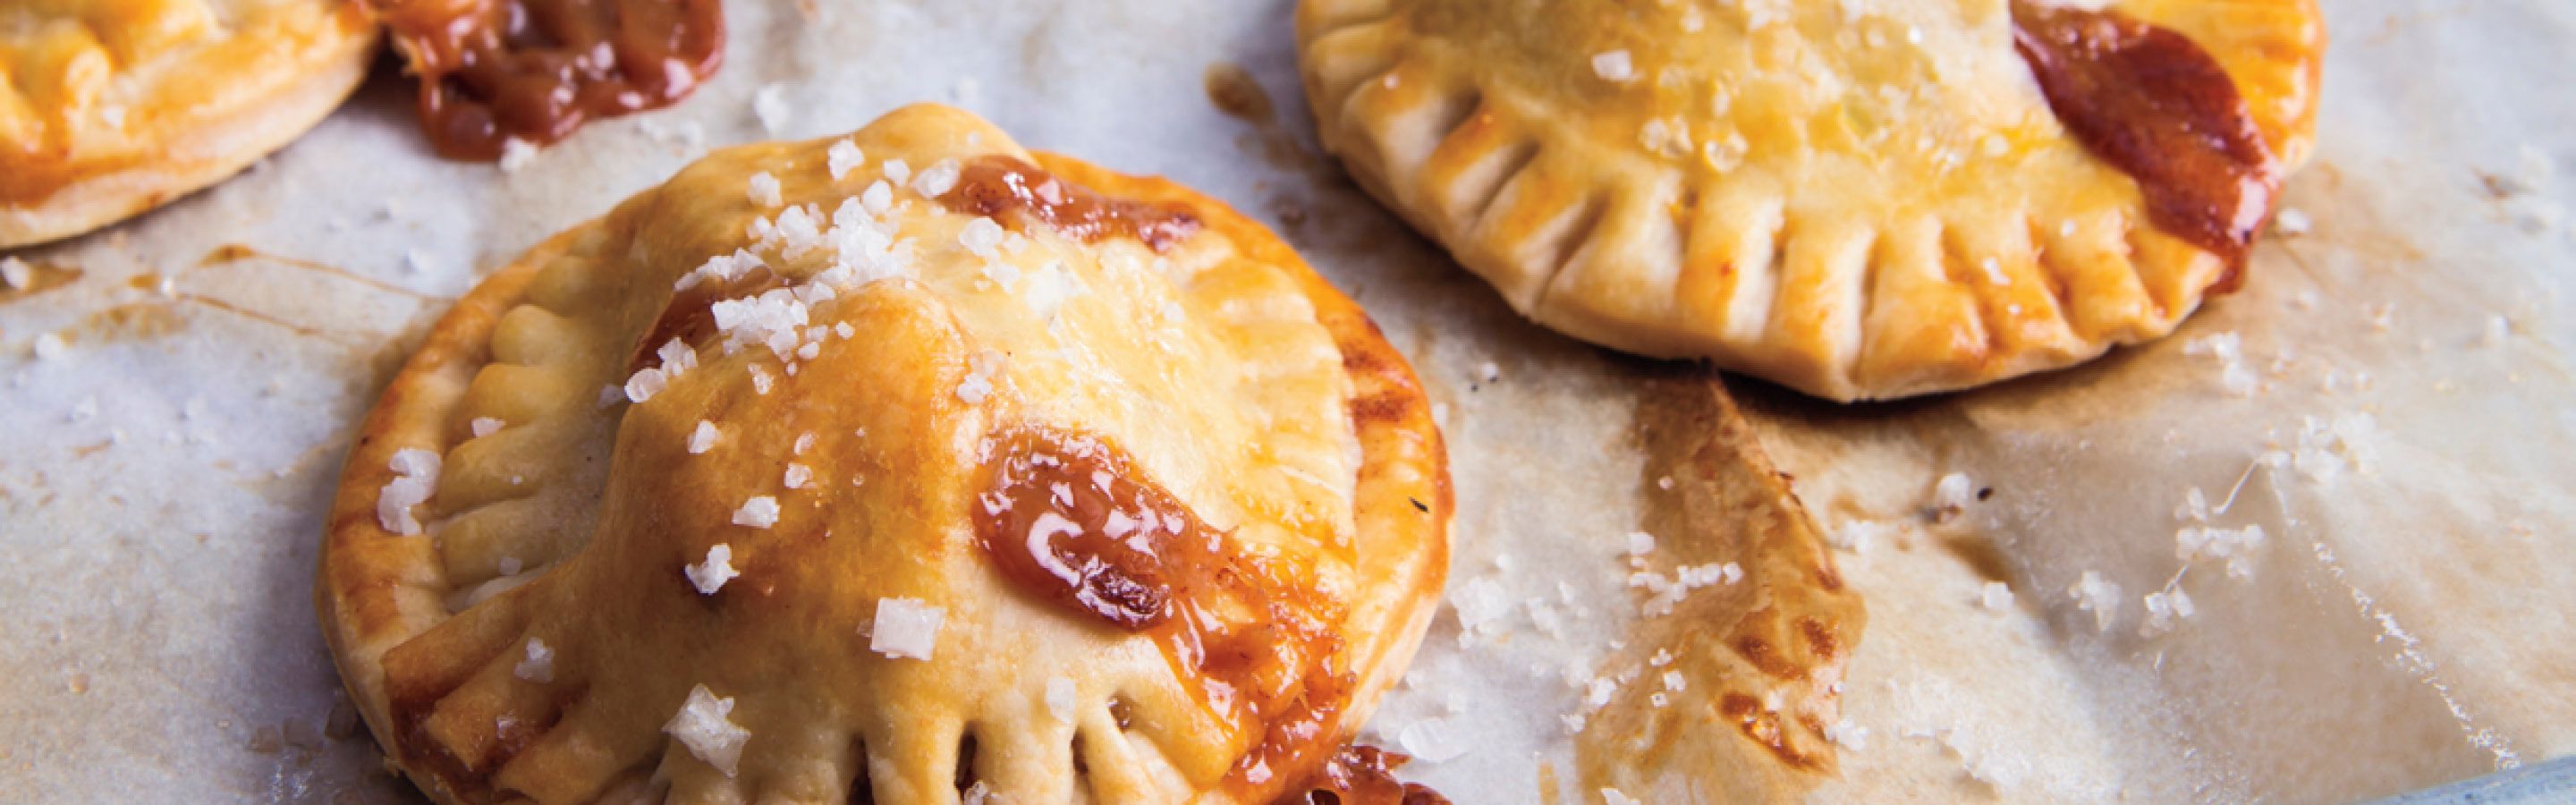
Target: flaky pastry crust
column 1261, row 399
column 1857, row 199
column 109, row 108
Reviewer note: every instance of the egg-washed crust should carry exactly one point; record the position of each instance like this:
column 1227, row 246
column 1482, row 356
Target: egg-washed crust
column 109, row 108
column 385, row 600
column 1807, row 203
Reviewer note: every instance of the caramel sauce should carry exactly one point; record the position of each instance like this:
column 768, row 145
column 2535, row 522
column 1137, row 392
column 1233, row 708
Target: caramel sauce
column 535, row 70
column 2153, row 104
column 1361, row 775
column 997, row 186
column 1070, row 519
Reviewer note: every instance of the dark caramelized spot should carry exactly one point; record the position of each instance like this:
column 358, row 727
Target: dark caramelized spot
column 2153, row 104
column 1361, row 775
column 1070, row 519
column 535, row 70
column 997, row 186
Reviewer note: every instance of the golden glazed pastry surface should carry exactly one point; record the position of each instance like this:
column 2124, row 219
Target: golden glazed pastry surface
column 1856, row 199
column 777, row 575
column 109, row 108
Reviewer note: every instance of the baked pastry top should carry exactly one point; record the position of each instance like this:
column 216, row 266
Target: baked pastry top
column 907, row 465
column 111, row 107
column 1858, row 199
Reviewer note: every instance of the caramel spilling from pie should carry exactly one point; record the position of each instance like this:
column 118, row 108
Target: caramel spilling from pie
column 1005, row 186
column 535, row 70
column 2148, row 100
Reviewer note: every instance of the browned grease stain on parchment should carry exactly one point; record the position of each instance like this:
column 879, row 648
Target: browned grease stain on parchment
column 42, row 276
column 160, row 315
column 1234, row 92
column 1761, row 659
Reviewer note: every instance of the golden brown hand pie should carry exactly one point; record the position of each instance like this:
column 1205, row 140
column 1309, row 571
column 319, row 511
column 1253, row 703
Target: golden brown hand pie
column 1865, row 198
column 909, row 462
column 109, row 108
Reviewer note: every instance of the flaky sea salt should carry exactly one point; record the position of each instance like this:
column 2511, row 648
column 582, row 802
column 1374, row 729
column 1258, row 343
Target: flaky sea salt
column 50, row 347
column 897, row 171
column 704, row 726
column 2165, row 609
column 2094, row 594
column 1614, row 66
column 758, row 512
column 938, row 179
column 645, row 383
column 844, row 156
column 538, row 665
column 415, row 478
column 15, row 274
column 485, row 426
column 703, row 438
column 906, row 628
column 711, row 574
column 798, row 476
column 764, row 190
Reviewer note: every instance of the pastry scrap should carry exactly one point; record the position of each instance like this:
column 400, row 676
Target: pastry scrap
column 109, row 108
column 1730, row 692
column 1861, row 199
column 532, row 71
column 902, row 467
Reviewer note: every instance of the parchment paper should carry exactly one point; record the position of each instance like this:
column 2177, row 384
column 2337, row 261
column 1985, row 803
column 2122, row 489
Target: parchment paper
column 2410, row 616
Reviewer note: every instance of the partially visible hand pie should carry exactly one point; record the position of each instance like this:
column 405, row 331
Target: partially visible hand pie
column 905, row 467
column 109, row 108
column 1860, row 199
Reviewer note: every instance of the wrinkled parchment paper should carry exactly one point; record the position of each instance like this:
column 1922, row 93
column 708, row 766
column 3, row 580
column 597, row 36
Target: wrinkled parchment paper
column 2408, row 617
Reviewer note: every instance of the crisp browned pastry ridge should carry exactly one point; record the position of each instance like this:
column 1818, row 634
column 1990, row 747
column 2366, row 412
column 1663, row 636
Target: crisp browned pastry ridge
column 109, row 108
column 548, row 630
column 1857, row 199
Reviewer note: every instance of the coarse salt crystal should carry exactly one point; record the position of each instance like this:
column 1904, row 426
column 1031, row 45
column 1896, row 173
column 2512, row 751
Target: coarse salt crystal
column 2094, row 594
column 764, row 190
column 702, row 725
column 1994, row 272
column 905, row 628
column 1640, row 543
column 1614, row 66
column 485, row 426
column 645, row 383
column 981, row 237
column 539, row 666
column 2164, row 610
column 759, row 512
column 2291, row 222
column 711, row 574
column 1995, row 596
column 898, row 171
column 509, row 566
column 804, row 442
column 843, row 157
column 798, row 476
column 1489, row 372
column 415, row 478
column 878, row 198
column 15, row 273
column 1952, row 495
column 49, row 347
column 516, row 154
column 703, row 438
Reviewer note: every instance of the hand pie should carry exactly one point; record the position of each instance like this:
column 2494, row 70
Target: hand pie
column 109, row 108
column 1859, row 199
column 904, row 466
